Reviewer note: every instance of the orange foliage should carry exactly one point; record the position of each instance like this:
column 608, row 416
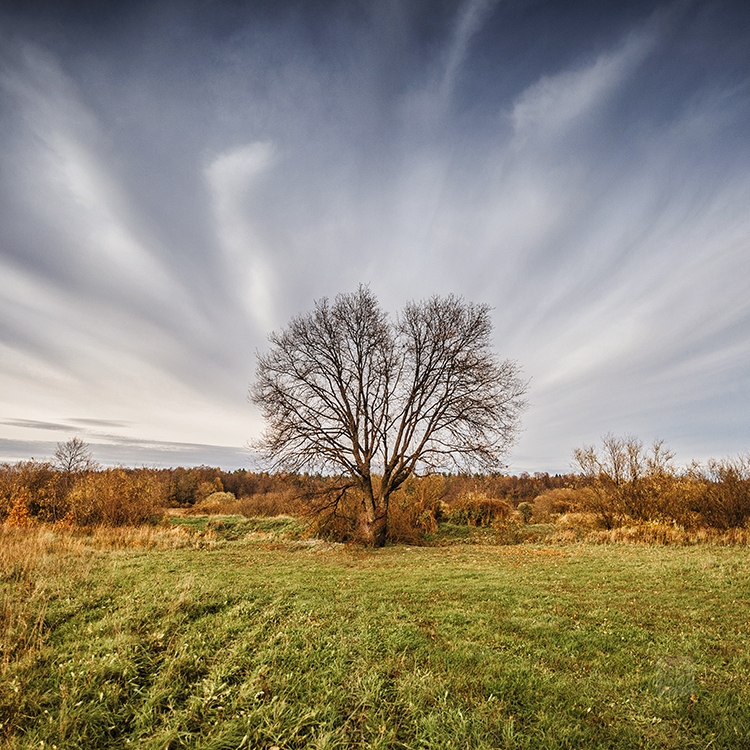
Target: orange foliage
column 19, row 516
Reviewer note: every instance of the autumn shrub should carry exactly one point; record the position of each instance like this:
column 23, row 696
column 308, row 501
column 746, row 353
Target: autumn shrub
column 187, row 486
column 265, row 504
column 182, row 487
column 511, row 488
column 335, row 516
column 725, row 497
column 116, row 497
column 276, row 503
column 7, row 490
column 624, row 484
column 207, row 488
column 415, row 509
column 679, row 501
column 526, row 511
column 624, row 480
column 19, row 516
column 575, row 526
column 215, row 503
column 40, row 485
column 477, row 509
column 554, row 503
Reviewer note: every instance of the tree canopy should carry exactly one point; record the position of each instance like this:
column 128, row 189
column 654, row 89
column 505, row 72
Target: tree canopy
column 348, row 390
column 74, row 456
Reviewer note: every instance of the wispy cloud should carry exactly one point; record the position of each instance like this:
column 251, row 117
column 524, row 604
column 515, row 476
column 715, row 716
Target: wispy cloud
column 231, row 176
column 98, row 423
column 35, row 424
column 79, row 194
column 150, row 453
column 167, row 197
column 469, row 20
column 564, row 100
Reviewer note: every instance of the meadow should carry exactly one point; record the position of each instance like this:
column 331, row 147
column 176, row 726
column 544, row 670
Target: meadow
column 244, row 633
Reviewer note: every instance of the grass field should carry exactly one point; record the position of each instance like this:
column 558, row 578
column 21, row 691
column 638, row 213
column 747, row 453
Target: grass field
column 262, row 640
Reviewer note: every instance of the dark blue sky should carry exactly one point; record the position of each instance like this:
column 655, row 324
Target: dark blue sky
column 177, row 179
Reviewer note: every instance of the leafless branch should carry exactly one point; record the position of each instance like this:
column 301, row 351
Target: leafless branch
column 346, row 390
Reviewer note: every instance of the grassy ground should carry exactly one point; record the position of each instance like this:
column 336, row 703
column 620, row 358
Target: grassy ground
column 258, row 640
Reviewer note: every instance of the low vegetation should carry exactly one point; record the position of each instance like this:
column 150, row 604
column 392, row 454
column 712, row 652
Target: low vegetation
column 622, row 491
column 200, row 608
column 232, row 632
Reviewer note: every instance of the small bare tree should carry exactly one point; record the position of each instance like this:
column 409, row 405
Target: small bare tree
column 345, row 389
column 74, row 457
column 624, row 477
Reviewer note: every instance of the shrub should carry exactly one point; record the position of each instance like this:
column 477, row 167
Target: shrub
column 116, row 497
column 623, row 483
column 336, row 521
column 478, row 509
column 38, row 483
column 270, row 504
column 415, row 508
column 724, row 498
column 216, row 502
column 526, row 510
column 624, row 478
column 19, row 516
column 554, row 503
column 208, row 488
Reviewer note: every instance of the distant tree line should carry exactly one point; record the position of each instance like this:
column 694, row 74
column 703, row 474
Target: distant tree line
column 618, row 483
column 74, row 489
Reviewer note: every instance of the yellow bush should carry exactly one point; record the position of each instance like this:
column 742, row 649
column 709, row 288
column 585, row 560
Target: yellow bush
column 478, row 509
column 19, row 516
column 271, row 504
column 40, row 486
column 216, row 502
column 115, row 497
column 555, row 502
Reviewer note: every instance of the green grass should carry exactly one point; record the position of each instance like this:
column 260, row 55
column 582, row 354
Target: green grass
column 238, row 527
column 261, row 642
column 508, row 533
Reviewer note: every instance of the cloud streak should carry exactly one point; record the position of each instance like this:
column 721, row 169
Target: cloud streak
column 469, row 20
column 231, row 176
column 173, row 185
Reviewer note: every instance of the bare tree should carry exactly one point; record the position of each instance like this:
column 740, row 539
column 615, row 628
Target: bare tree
column 345, row 389
column 624, row 477
column 74, row 456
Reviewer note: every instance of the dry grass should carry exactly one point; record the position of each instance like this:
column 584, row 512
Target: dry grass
column 24, row 558
column 124, row 537
column 263, row 504
column 662, row 534
column 587, row 527
column 33, row 556
column 29, row 558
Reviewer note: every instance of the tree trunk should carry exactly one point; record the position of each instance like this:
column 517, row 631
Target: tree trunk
column 375, row 532
column 374, row 522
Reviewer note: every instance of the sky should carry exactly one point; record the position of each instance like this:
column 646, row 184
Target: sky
column 178, row 179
